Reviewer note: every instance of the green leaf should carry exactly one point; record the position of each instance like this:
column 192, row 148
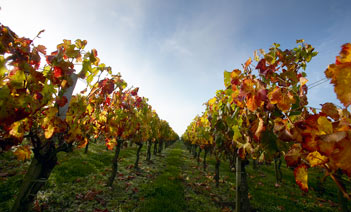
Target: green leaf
column 18, row 79
column 86, row 66
column 90, row 78
column 237, row 133
column 300, row 41
column 269, row 142
column 81, row 44
column 71, row 52
column 227, row 79
column 3, row 69
column 270, row 58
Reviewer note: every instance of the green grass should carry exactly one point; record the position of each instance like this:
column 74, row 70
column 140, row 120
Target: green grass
column 166, row 193
column 172, row 182
column 9, row 184
column 264, row 196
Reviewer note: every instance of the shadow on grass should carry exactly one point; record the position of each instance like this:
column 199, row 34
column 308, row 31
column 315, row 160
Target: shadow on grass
column 166, row 193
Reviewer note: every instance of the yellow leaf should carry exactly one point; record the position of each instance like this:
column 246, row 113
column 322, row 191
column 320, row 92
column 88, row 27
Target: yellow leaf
column 256, row 57
column 23, row 153
column 316, row 159
column 90, row 109
column 212, row 101
column 17, row 130
column 303, row 81
column 49, row 131
column 301, row 177
column 324, row 126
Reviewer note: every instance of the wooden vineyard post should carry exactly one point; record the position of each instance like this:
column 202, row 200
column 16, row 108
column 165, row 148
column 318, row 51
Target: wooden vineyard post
column 238, row 184
column 68, row 94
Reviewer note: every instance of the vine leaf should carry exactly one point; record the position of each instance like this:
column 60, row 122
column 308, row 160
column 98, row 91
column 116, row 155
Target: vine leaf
column 316, row 159
column 325, row 127
column 293, row 156
column 301, row 177
column 340, row 75
column 23, row 153
column 330, row 110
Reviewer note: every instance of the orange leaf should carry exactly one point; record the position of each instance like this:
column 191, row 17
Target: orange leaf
column 286, row 102
column 282, row 98
column 342, row 157
column 345, row 54
column 293, row 156
column 330, row 110
column 23, row 153
column 301, row 177
column 340, row 75
column 83, row 143
column 275, row 96
column 248, row 62
column 41, row 49
column 310, row 143
column 260, row 128
column 248, row 86
column 327, row 143
column 251, row 104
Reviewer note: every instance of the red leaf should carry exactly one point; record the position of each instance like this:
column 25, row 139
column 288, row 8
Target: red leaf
column 262, row 66
column 61, row 101
column 58, row 72
column 108, row 101
column 94, row 52
column 135, row 92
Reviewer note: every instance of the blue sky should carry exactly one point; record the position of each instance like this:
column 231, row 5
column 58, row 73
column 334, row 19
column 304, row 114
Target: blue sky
column 176, row 51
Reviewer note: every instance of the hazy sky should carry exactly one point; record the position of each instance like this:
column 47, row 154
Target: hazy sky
column 176, row 51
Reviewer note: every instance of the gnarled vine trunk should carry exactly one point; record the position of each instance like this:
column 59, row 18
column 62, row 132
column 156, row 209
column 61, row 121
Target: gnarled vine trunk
column 278, row 171
column 86, row 147
column 160, row 146
column 148, row 153
column 36, row 176
column 155, row 147
column 216, row 177
column 194, row 151
column 198, row 157
column 44, row 161
column 115, row 163
column 136, row 165
column 242, row 188
column 205, row 162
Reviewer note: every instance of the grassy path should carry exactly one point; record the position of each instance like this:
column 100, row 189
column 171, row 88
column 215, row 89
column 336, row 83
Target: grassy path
column 184, row 187
column 172, row 182
column 166, row 193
